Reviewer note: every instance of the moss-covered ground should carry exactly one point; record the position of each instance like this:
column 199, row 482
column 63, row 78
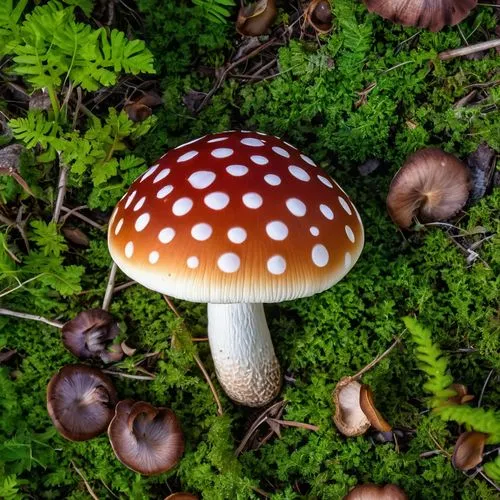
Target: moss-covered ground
column 317, row 102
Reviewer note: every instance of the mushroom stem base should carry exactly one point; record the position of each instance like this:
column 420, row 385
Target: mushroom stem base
column 243, row 353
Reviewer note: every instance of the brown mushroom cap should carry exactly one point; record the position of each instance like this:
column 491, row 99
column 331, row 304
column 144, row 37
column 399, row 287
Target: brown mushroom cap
column 319, row 15
column 431, row 14
column 376, row 492
column 349, row 417
column 469, row 450
column 235, row 217
column 146, row 439
column 432, row 185
column 256, row 18
column 368, row 406
column 80, row 402
column 90, row 333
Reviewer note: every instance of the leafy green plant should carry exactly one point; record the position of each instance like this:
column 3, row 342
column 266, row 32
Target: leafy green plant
column 216, row 11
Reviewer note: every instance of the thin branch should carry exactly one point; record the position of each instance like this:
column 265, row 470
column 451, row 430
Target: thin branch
column 128, row 375
column 61, row 191
column 75, row 213
column 108, row 296
column 87, row 485
column 470, row 49
column 379, row 358
column 292, row 423
column 495, row 485
column 480, row 400
column 34, row 317
column 123, row 286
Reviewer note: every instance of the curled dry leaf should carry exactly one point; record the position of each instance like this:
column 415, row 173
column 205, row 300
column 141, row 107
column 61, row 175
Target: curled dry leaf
column 431, row 14
column 462, row 395
column 469, row 450
column 368, row 406
column 90, row 335
column 432, row 185
column 10, row 159
column 76, row 236
column 376, row 492
column 349, row 417
column 256, row 18
column 319, row 15
column 141, row 109
column 146, row 439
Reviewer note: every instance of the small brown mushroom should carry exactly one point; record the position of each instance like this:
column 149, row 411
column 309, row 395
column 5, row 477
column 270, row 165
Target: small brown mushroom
column 80, row 402
column 146, row 439
column 462, row 396
column 432, row 185
column 376, row 492
column 431, row 14
column 368, row 406
column 90, row 335
column 469, row 450
column 319, row 15
column 256, row 18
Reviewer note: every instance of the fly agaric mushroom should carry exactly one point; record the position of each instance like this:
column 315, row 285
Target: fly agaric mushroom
column 431, row 14
column 80, row 402
column 432, row 185
column 376, row 492
column 237, row 219
column 146, row 439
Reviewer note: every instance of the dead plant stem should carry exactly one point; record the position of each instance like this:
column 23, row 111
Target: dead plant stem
column 108, row 296
column 379, row 358
column 470, row 49
column 34, row 317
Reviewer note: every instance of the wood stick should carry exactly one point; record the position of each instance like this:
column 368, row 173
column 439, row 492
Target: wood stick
column 87, row 485
column 470, row 49
column 61, row 191
column 34, row 317
column 108, row 296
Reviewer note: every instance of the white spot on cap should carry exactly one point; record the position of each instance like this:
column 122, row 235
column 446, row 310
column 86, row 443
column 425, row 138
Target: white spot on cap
column 192, row 262
column 276, row 230
column 320, row 255
column 142, row 221
column 129, row 250
column 288, row 144
column 154, row 257
column 259, row 160
column 308, row 160
column 182, row 206
column 217, row 139
column 347, row 261
column 164, row 191
column 326, row 211
column 149, row 172
column 237, row 170
column 118, row 227
column 296, row 207
column 314, row 231
column 276, row 264
column 281, row 151
column 217, row 200
column 250, row 141
column 139, row 204
column 222, row 152
column 272, row 180
column 161, row 175
column 228, row 262
column 187, row 156
column 166, row 235
column 345, row 206
column 201, row 231
column 237, row 235
column 299, row 173
column 325, row 181
column 129, row 199
column 201, row 179
column 350, row 234
column 252, row 200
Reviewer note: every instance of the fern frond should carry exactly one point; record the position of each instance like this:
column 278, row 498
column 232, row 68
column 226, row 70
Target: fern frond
column 216, row 11
column 9, row 24
column 479, row 419
column 492, row 469
column 431, row 361
column 35, row 129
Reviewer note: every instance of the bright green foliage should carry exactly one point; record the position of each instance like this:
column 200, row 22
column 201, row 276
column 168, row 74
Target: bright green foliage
column 493, row 469
column 10, row 14
column 432, row 362
column 216, row 10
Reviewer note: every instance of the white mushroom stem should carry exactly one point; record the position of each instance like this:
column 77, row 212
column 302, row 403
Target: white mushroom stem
column 243, row 353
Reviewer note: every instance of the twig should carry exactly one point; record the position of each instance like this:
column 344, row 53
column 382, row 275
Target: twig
column 480, row 400
column 470, row 49
column 220, row 411
column 495, row 485
column 74, row 212
column 199, row 339
column 292, row 423
column 108, row 296
column 87, row 485
column 34, row 317
column 124, row 285
column 377, row 359
column 61, row 191
column 128, row 375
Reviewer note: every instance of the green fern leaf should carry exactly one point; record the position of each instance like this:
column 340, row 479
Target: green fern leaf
column 9, row 24
column 492, row 469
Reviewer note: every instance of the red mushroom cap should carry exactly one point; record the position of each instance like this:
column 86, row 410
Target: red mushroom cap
column 235, row 217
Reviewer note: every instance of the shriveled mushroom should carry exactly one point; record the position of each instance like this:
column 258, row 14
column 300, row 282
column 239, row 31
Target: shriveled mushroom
column 319, row 15
column 355, row 410
column 146, row 439
column 376, row 492
column 90, row 335
column 237, row 219
column 469, row 450
column 80, row 402
column 432, row 185
column 431, row 14
column 256, row 18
